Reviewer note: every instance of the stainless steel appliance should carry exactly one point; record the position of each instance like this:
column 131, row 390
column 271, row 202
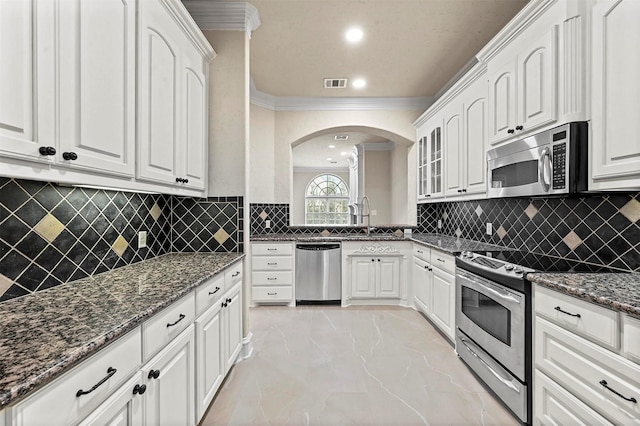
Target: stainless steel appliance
column 318, row 272
column 549, row 163
column 493, row 327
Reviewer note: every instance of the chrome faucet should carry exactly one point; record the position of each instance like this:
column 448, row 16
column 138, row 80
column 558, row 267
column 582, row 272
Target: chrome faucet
column 368, row 215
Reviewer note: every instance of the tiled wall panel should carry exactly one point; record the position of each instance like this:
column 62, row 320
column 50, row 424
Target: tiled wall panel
column 52, row 234
column 602, row 229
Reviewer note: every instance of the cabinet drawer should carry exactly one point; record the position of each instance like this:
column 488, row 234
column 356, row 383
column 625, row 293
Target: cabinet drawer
column 272, row 278
column 589, row 320
column 282, row 263
column 554, row 405
column 631, row 339
column 593, row 374
column 422, row 252
column 233, row 275
column 57, row 403
column 272, row 294
column 209, row 292
column 271, row 249
column 158, row 331
column 444, row 261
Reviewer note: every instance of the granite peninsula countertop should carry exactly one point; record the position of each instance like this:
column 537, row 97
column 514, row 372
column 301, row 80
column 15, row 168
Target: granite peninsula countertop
column 46, row 333
column 441, row 242
column 617, row 291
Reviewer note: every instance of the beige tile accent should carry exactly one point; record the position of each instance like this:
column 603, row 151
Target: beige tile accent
column 5, row 283
column 221, row 236
column 501, row 232
column 119, row 245
column 325, row 233
column 572, row 240
column 445, row 216
column 531, row 211
column 631, row 210
column 398, row 233
column 479, row 210
column 458, row 232
column 155, row 211
column 264, row 215
column 49, row 227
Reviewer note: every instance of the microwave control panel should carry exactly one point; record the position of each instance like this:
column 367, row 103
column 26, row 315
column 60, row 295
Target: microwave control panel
column 559, row 157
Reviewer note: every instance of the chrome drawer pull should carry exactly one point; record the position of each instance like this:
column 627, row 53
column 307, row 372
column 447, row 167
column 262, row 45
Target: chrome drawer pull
column 272, row 249
column 557, row 308
column 272, row 294
column 632, row 399
column 180, row 318
column 110, row 372
column 419, row 251
column 214, row 291
column 236, row 274
column 440, row 260
column 271, row 279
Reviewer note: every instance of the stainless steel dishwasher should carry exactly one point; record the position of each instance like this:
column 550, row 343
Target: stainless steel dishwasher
column 318, row 272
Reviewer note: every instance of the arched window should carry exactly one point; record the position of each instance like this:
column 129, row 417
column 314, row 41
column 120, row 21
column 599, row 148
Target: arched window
column 327, row 201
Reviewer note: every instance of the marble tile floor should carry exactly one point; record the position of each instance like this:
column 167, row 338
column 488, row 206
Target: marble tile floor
column 326, row 365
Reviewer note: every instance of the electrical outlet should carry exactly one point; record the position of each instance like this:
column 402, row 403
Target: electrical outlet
column 374, row 212
column 267, row 224
column 439, row 223
column 489, row 228
column 142, row 239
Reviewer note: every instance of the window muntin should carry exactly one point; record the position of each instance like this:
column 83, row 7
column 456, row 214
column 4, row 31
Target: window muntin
column 327, row 201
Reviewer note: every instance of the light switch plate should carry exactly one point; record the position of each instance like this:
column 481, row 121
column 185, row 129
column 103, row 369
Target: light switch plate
column 489, row 228
column 267, row 224
column 142, row 239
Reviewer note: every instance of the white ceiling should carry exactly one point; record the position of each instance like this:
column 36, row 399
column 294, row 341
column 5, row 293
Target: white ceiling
column 314, row 152
column 410, row 47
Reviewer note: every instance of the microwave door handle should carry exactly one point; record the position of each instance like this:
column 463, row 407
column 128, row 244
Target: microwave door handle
column 494, row 372
column 544, row 169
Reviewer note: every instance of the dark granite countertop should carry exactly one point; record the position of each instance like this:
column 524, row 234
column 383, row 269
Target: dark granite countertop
column 46, row 333
column 441, row 242
column 618, row 291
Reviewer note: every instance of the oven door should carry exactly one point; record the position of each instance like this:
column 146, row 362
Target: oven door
column 494, row 318
column 523, row 173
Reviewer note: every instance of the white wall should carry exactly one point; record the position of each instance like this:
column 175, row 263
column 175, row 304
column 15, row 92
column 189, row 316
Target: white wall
column 300, row 182
column 400, row 205
column 377, row 185
column 262, row 158
column 228, row 112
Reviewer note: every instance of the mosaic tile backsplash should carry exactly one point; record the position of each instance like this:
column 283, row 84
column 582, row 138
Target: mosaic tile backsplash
column 52, row 234
column 600, row 229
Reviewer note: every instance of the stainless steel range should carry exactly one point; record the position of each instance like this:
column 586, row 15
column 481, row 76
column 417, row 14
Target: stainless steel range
column 493, row 327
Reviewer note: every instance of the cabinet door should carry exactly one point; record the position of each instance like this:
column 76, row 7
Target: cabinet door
column 123, row 408
column 388, row 277
column 192, row 148
column 615, row 148
column 422, row 282
column 443, row 301
column 209, row 357
column 423, row 175
column 169, row 398
column 158, row 84
column 97, row 44
column 233, row 326
column 16, row 73
column 502, row 103
column 475, row 138
column 537, row 74
column 363, row 277
column 435, row 154
column 454, row 150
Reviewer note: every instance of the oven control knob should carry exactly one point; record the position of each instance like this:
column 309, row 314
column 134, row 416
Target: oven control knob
column 518, row 270
column 508, row 267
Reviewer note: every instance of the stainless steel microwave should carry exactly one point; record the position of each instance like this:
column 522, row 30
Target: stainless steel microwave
column 553, row 162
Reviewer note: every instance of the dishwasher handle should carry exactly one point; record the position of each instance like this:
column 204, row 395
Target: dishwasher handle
column 317, row 247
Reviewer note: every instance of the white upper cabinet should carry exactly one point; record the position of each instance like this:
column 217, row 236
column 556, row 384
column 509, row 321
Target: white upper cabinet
column 173, row 102
column 615, row 102
column 96, row 59
column 430, row 158
column 453, row 142
column 522, row 91
column 474, row 103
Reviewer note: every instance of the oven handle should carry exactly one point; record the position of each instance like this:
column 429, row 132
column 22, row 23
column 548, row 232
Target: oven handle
column 505, row 382
column 503, row 296
column 543, row 167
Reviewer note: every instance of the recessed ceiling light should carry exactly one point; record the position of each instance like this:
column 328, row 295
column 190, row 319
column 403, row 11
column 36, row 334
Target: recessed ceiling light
column 359, row 83
column 332, row 146
column 343, row 153
column 329, row 159
column 354, row 35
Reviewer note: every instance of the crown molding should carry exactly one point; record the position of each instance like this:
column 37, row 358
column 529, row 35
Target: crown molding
column 222, row 15
column 301, row 169
column 190, row 27
column 294, row 103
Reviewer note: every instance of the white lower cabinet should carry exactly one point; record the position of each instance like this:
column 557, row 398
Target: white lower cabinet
column 272, row 272
column 434, row 289
column 123, row 408
column 582, row 378
column 377, row 276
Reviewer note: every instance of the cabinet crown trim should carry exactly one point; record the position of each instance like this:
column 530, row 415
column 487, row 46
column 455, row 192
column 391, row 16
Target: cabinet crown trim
column 224, row 15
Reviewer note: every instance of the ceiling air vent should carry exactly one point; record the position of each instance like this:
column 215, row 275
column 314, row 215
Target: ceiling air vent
column 341, row 137
column 335, row 83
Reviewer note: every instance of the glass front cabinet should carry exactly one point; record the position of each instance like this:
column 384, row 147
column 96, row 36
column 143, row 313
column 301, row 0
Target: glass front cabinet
column 430, row 148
